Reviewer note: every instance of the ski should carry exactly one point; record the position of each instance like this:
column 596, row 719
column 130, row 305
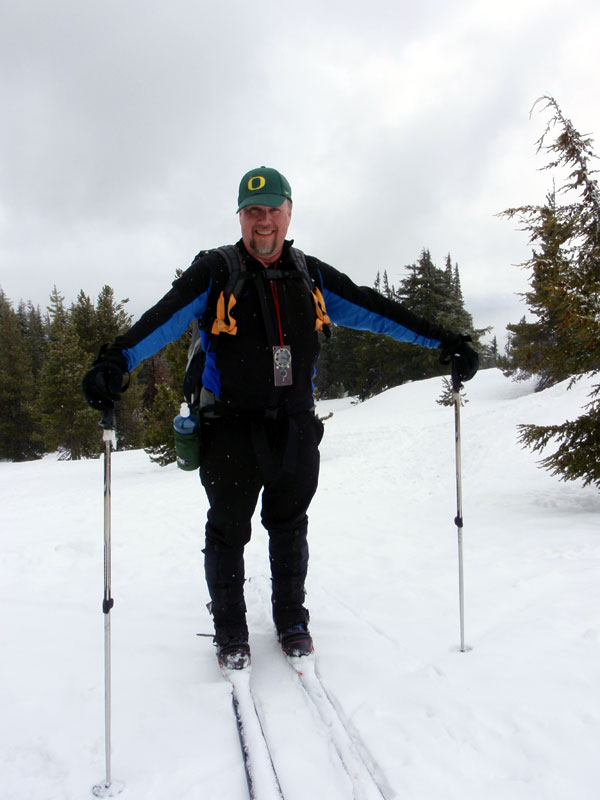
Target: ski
column 261, row 776
column 345, row 742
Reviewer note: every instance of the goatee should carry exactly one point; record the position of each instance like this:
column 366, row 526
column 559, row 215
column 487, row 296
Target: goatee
column 262, row 248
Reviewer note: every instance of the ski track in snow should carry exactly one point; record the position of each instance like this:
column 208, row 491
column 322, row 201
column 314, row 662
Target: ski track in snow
column 517, row 717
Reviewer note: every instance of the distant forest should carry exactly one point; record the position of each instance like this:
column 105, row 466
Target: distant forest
column 43, row 357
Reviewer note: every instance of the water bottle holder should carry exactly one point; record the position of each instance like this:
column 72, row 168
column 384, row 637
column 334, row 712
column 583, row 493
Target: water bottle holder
column 187, row 448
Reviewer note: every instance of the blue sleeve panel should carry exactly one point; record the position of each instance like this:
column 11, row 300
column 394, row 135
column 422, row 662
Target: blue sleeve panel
column 167, row 331
column 211, row 377
column 350, row 315
column 364, row 309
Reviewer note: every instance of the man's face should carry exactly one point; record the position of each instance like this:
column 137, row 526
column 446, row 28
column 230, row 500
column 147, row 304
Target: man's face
column 264, row 229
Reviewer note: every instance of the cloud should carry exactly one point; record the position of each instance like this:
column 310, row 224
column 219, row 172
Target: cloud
column 127, row 126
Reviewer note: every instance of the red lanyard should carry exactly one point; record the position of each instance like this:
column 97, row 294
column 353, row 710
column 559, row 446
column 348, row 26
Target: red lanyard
column 277, row 311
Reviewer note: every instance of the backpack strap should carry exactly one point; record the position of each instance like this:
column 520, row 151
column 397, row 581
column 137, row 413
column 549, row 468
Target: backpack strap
column 192, row 382
column 323, row 322
column 224, row 321
column 299, row 260
column 231, row 256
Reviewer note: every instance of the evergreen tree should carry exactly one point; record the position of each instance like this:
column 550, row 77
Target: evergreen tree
column 564, row 297
column 34, row 333
column 543, row 348
column 69, row 425
column 494, row 355
column 435, row 295
column 129, row 415
column 83, row 319
column 449, row 274
column 20, row 436
column 111, row 317
column 387, row 288
column 362, row 364
column 43, row 362
column 380, row 364
column 457, row 285
column 338, row 369
column 158, row 438
column 152, row 372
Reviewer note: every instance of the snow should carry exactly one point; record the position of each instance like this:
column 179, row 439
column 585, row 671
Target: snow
column 516, row 716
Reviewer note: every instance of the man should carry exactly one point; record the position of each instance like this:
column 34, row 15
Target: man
column 258, row 426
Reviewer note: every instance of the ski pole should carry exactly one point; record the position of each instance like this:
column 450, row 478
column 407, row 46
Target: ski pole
column 458, row 520
column 108, row 788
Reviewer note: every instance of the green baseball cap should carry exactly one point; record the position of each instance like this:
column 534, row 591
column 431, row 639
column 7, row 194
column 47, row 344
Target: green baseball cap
column 263, row 186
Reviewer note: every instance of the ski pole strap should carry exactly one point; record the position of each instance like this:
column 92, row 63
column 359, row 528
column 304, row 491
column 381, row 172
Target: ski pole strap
column 456, row 381
column 107, row 421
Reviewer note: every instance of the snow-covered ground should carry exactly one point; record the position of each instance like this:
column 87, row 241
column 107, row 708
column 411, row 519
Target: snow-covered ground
column 516, row 716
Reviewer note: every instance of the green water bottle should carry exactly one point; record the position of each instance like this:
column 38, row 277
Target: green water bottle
column 187, row 439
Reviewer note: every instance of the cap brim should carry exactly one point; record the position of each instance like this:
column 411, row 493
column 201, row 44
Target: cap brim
column 273, row 200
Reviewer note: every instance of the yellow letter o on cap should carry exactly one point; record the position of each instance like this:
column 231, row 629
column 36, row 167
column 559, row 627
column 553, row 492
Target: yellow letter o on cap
column 256, row 182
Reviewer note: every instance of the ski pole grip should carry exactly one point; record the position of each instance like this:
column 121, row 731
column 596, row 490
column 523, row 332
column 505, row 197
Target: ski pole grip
column 107, row 421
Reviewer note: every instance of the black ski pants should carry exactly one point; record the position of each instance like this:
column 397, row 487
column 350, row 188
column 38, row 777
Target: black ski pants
column 241, row 457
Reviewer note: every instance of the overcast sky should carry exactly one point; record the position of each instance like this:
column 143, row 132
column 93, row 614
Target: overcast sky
column 126, row 126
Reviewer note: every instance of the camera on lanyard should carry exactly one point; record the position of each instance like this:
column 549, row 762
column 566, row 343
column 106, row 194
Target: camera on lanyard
column 282, row 365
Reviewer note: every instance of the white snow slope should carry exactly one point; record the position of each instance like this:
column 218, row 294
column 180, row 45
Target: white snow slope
column 516, row 716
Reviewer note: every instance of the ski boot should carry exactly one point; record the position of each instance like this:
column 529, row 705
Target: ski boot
column 296, row 640
column 233, row 653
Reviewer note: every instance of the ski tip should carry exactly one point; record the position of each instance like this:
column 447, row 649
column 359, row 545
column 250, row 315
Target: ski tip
column 301, row 663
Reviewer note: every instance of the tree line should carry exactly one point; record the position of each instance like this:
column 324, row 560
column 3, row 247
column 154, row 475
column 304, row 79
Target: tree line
column 361, row 364
column 43, row 358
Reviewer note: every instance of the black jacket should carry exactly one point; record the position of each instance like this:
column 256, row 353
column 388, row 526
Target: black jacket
column 239, row 368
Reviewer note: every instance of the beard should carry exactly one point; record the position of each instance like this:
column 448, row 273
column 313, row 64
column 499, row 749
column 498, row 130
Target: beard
column 264, row 248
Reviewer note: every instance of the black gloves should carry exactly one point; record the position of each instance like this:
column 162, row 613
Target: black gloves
column 464, row 360
column 103, row 384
